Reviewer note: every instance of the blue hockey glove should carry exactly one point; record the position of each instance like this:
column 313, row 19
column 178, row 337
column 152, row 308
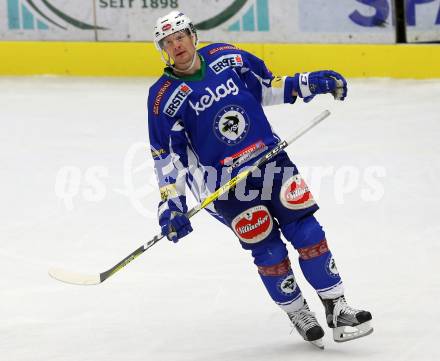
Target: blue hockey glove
column 173, row 221
column 307, row 85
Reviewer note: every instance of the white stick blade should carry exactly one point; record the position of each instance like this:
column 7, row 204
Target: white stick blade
column 73, row 277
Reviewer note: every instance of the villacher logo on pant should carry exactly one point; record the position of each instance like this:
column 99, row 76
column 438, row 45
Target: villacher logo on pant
column 253, row 225
column 295, row 194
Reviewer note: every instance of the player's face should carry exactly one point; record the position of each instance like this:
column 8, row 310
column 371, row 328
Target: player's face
column 180, row 47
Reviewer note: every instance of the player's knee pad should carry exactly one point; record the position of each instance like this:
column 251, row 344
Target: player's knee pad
column 269, row 253
column 259, row 232
column 307, row 236
column 278, row 269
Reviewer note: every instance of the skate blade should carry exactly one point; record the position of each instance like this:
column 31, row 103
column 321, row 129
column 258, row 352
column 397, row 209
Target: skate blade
column 341, row 334
column 318, row 343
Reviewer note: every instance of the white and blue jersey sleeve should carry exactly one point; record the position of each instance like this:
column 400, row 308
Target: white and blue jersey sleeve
column 267, row 88
column 168, row 148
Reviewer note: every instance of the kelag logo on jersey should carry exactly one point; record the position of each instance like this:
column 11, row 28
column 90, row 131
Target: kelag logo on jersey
column 176, row 99
column 222, row 91
column 225, row 62
column 231, row 124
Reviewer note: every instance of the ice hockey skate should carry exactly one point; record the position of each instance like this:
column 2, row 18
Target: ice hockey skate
column 308, row 327
column 347, row 322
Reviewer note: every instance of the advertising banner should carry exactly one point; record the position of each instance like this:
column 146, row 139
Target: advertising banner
column 47, row 20
column 422, row 20
column 274, row 21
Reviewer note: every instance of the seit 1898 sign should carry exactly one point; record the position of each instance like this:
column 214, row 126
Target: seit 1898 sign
column 144, row 4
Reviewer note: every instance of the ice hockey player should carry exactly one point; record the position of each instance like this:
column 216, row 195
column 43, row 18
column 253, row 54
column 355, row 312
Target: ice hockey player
column 206, row 122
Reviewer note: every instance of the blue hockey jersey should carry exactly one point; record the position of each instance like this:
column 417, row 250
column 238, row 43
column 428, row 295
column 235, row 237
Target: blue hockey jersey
column 205, row 127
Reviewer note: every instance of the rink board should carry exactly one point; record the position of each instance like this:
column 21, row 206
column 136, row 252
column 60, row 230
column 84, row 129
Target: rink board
column 142, row 59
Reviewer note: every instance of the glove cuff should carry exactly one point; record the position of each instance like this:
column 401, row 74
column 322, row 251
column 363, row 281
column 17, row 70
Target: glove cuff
column 303, row 85
column 165, row 209
column 289, row 87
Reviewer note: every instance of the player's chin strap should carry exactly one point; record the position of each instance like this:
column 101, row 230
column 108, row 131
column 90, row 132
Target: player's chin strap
column 189, row 68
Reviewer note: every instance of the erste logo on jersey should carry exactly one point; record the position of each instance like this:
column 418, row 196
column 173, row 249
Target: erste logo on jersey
column 225, row 62
column 176, row 99
column 253, row 225
column 220, row 92
column 295, row 194
column 231, row 124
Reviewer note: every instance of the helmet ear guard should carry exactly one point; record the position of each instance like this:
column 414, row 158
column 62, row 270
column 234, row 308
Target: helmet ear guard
column 193, row 31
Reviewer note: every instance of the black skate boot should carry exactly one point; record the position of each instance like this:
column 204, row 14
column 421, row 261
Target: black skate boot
column 308, row 327
column 341, row 316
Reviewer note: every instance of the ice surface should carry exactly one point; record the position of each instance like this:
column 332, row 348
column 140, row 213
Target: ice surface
column 77, row 191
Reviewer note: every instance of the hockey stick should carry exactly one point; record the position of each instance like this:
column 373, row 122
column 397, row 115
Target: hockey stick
column 94, row 279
